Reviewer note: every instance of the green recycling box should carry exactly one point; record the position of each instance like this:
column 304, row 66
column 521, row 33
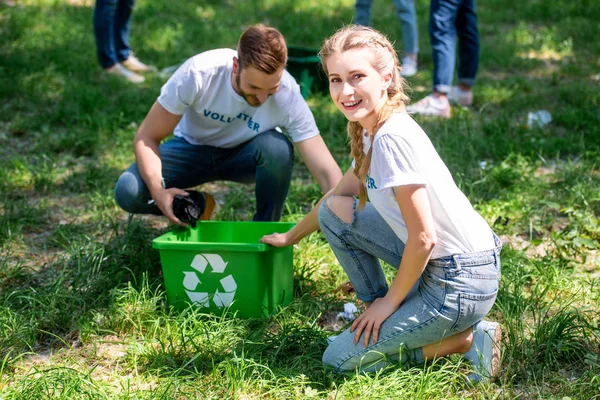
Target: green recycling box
column 305, row 66
column 222, row 265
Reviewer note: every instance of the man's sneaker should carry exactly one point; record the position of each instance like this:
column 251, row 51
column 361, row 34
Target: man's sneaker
column 460, row 97
column 430, row 105
column 121, row 71
column 409, row 67
column 211, row 207
column 484, row 353
column 134, row 64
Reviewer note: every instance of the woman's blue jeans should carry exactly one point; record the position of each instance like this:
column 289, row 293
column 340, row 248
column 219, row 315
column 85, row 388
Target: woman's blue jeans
column 452, row 294
column 407, row 15
column 449, row 20
column 111, row 27
column 266, row 160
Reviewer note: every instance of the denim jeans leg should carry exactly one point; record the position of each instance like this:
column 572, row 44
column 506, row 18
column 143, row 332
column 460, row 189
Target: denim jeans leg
column 267, row 160
column 452, row 294
column 363, row 10
column 360, row 245
column 468, row 43
column 407, row 15
column 104, row 25
column 184, row 165
column 122, row 25
column 442, row 32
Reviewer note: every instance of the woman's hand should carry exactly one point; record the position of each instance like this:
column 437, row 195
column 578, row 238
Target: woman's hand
column 277, row 239
column 370, row 321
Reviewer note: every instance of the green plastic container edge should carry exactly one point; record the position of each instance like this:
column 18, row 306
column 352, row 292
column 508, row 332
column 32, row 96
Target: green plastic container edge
column 212, row 246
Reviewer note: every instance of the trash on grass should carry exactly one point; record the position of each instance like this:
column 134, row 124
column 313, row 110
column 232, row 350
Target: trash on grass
column 349, row 312
column 538, row 119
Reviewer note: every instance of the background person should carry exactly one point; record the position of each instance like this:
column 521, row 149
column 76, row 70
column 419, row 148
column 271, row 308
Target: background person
column 408, row 23
column 112, row 19
column 449, row 20
column 225, row 109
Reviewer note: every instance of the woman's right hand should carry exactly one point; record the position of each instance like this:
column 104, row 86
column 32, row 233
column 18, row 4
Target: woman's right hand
column 277, row 239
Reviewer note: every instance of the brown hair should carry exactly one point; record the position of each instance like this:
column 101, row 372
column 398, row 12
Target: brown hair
column 385, row 61
column 263, row 48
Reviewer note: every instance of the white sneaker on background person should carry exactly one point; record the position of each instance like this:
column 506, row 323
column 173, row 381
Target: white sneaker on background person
column 460, row 97
column 119, row 70
column 134, row 64
column 409, row 67
column 431, row 106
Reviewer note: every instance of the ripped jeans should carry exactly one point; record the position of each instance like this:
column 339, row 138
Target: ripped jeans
column 452, row 294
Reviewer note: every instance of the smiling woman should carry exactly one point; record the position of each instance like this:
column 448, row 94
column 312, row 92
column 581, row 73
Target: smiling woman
column 416, row 219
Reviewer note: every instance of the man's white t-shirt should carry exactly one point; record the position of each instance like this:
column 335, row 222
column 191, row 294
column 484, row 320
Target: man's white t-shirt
column 404, row 155
column 215, row 115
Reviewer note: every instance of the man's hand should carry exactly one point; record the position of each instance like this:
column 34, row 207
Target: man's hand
column 277, row 239
column 164, row 200
column 370, row 321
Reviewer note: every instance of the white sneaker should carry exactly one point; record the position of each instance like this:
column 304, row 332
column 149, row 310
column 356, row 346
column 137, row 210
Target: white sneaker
column 460, row 97
column 120, row 70
column 134, row 64
column 484, row 353
column 431, row 106
column 409, row 67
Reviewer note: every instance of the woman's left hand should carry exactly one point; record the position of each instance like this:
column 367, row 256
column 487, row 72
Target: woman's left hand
column 370, row 321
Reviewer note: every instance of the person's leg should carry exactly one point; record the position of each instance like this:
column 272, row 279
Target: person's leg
column 359, row 239
column 407, row 15
column 363, row 9
column 122, row 27
column 468, row 44
column 104, row 25
column 442, row 32
column 435, row 320
column 184, row 165
column 268, row 160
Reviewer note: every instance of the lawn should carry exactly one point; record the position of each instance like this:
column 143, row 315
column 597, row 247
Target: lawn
column 83, row 311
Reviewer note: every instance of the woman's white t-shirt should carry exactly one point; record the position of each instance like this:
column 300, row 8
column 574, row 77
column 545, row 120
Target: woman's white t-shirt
column 404, row 155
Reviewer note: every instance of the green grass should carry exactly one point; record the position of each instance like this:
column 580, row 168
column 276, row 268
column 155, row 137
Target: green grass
column 83, row 312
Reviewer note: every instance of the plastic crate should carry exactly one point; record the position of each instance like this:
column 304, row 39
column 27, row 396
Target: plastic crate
column 222, row 265
column 305, row 66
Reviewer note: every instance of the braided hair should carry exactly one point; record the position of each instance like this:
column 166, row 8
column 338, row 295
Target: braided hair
column 385, row 61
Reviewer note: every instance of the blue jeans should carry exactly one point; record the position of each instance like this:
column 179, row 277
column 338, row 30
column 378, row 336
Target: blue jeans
column 452, row 294
column 407, row 15
column 449, row 20
column 266, row 160
column 111, row 27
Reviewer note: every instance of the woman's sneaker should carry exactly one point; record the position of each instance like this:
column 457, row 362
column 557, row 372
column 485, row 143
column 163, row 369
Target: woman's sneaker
column 484, row 353
column 460, row 97
column 432, row 106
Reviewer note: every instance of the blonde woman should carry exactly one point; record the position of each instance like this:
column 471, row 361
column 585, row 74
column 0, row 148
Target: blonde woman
column 416, row 219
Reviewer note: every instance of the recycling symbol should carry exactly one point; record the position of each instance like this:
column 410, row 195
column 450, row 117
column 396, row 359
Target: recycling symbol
column 191, row 281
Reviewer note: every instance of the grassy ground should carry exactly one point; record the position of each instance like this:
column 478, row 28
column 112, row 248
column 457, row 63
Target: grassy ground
column 83, row 312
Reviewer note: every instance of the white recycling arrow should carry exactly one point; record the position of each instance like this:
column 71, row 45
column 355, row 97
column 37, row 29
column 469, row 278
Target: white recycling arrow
column 198, row 298
column 199, row 263
column 223, row 299
column 216, row 262
column 229, row 284
column 190, row 281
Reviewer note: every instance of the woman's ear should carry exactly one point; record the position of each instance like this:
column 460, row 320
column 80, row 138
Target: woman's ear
column 387, row 80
